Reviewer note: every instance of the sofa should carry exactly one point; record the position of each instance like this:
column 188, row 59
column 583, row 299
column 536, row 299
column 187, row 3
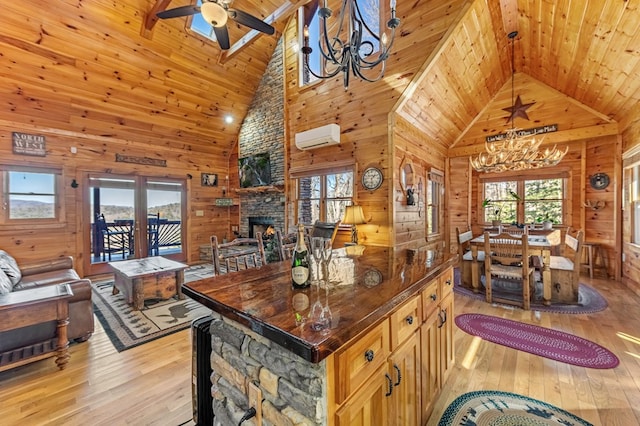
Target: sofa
column 20, row 344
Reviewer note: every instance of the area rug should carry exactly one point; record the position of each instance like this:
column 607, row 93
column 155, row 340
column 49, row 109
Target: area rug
column 589, row 300
column 496, row 408
column 546, row 342
column 128, row 328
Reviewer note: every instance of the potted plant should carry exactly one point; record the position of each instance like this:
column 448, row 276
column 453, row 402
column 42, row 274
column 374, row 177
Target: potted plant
column 546, row 221
column 497, row 210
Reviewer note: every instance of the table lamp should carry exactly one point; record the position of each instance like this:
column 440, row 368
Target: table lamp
column 353, row 216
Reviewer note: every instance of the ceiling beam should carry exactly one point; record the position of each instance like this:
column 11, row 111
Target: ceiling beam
column 151, row 18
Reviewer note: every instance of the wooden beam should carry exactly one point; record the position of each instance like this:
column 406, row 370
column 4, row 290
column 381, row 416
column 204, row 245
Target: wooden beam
column 562, row 136
column 151, row 18
column 278, row 16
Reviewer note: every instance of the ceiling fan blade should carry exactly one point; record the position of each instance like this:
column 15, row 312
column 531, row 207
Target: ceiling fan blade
column 250, row 21
column 178, row 12
column 222, row 36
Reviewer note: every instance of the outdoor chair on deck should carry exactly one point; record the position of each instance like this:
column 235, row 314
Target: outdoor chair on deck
column 466, row 259
column 237, row 255
column 153, row 225
column 565, row 270
column 506, row 266
column 114, row 240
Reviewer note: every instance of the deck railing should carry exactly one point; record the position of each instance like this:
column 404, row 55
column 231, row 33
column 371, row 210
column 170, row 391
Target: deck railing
column 161, row 234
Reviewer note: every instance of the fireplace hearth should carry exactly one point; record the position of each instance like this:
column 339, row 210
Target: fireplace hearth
column 259, row 224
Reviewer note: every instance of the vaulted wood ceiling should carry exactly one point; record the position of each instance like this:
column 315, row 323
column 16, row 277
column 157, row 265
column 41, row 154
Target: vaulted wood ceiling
column 105, row 68
column 579, row 58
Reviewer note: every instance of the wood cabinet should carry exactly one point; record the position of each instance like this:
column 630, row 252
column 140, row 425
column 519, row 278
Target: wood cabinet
column 436, row 334
column 392, row 374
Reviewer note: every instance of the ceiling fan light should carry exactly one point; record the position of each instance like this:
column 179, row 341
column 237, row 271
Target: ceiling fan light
column 214, row 14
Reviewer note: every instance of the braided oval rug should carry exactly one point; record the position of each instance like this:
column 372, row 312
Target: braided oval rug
column 496, row 408
column 546, row 342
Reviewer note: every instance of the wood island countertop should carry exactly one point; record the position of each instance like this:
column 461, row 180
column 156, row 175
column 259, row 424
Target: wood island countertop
column 364, row 289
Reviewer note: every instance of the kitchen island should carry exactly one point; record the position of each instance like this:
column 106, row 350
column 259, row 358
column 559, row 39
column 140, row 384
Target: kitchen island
column 386, row 351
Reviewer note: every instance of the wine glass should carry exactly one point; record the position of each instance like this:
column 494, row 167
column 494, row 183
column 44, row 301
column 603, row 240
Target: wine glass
column 317, row 253
column 327, row 251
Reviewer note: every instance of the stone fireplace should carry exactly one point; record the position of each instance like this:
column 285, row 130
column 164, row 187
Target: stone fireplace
column 259, row 224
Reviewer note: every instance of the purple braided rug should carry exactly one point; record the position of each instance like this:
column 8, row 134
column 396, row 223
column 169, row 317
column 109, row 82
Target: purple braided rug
column 546, row 342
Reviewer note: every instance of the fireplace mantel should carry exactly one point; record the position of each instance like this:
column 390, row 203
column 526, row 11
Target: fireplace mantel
column 260, row 189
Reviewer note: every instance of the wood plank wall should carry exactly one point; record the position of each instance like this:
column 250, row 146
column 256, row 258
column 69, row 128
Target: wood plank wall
column 84, row 77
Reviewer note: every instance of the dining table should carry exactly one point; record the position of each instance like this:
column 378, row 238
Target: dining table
column 540, row 244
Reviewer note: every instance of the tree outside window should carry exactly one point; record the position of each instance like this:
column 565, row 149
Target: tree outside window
column 524, row 200
column 324, row 197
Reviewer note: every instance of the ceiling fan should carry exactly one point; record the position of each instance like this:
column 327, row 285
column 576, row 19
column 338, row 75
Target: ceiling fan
column 216, row 13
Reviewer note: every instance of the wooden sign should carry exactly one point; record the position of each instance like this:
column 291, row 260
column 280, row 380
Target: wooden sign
column 26, row 144
column 140, row 160
column 224, row 202
column 525, row 132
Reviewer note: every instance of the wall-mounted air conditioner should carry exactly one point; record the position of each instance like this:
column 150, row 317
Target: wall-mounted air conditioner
column 318, row 137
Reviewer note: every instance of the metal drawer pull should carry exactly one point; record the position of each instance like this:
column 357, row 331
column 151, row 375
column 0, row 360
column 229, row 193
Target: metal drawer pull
column 369, row 355
column 434, row 297
column 449, row 282
column 390, row 384
column 409, row 319
column 398, row 374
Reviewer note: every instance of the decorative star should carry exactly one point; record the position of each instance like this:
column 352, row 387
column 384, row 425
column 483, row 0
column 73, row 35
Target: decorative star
column 518, row 110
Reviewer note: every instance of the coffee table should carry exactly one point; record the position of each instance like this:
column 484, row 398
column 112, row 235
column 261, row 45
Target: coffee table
column 148, row 278
column 34, row 306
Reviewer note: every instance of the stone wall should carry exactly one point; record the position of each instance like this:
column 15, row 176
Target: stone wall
column 263, row 131
column 293, row 390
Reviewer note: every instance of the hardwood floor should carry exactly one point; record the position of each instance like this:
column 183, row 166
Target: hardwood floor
column 151, row 384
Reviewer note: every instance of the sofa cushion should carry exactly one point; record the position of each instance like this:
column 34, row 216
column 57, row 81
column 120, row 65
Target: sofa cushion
column 10, row 267
column 47, row 278
column 6, row 286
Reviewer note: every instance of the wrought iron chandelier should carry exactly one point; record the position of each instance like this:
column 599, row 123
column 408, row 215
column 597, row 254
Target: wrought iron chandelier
column 517, row 150
column 357, row 52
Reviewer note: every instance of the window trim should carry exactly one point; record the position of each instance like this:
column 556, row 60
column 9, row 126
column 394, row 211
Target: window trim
column 58, row 208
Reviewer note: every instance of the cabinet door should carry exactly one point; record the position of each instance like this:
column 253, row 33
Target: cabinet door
column 430, row 373
column 404, row 369
column 369, row 405
column 446, row 330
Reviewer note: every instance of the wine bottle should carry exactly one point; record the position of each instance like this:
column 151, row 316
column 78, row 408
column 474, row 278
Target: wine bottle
column 300, row 262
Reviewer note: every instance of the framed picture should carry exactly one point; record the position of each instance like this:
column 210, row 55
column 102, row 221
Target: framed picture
column 209, row 179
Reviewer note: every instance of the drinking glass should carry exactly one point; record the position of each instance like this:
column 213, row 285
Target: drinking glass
column 317, row 253
column 327, row 251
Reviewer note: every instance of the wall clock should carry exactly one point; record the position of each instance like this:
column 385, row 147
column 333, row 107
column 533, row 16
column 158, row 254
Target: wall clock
column 599, row 181
column 372, row 178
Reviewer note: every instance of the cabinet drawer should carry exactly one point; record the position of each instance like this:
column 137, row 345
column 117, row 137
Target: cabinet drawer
column 446, row 283
column 430, row 299
column 405, row 321
column 360, row 360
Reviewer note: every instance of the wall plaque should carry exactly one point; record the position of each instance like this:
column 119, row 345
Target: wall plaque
column 525, row 132
column 26, row 144
column 224, row 202
column 140, row 160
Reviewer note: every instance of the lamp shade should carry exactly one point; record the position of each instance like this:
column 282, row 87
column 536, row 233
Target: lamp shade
column 214, row 14
column 353, row 216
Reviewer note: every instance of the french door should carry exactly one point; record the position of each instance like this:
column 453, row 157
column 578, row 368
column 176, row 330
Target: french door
column 132, row 217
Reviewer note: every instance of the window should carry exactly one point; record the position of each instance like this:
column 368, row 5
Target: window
column 435, row 190
column 30, row 194
column 632, row 195
column 200, row 26
column 522, row 200
column 308, row 15
column 324, row 197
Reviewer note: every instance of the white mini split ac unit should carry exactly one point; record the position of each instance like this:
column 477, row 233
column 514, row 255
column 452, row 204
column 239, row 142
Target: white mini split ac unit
column 318, row 137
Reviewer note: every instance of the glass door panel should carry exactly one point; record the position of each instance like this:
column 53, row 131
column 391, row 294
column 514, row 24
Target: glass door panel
column 164, row 218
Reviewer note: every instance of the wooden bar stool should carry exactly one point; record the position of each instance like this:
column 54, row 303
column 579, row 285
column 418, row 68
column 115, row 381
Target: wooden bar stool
column 591, row 252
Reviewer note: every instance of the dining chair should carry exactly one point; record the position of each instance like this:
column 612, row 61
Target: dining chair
column 565, row 270
column 286, row 244
column 237, row 255
column 506, row 262
column 325, row 230
column 465, row 257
